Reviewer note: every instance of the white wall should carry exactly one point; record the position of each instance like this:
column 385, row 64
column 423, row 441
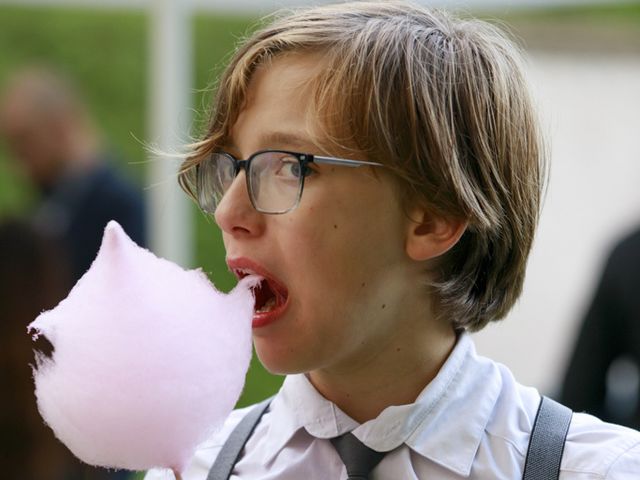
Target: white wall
column 591, row 109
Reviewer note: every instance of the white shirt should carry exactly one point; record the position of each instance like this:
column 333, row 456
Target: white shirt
column 472, row 421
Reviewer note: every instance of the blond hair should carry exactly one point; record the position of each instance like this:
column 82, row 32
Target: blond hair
column 444, row 104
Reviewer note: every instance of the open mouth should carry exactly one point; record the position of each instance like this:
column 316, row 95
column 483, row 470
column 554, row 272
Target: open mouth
column 269, row 294
column 268, row 298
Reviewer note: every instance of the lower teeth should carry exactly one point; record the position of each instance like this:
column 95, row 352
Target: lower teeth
column 267, row 306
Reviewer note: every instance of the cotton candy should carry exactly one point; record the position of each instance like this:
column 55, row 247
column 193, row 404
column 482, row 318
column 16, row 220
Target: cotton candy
column 149, row 359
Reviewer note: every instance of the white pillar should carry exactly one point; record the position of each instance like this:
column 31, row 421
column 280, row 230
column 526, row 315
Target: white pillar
column 170, row 85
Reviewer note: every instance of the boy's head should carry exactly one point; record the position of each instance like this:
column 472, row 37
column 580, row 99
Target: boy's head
column 442, row 103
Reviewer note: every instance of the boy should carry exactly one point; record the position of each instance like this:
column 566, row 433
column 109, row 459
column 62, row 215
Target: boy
column 389, row 200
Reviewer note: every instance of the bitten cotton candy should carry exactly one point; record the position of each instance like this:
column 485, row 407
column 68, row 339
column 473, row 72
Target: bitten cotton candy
column 148, row 359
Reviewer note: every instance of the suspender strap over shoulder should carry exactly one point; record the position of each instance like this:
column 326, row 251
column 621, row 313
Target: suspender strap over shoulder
column 230, row 452
column 546, row 444
column 544, row 455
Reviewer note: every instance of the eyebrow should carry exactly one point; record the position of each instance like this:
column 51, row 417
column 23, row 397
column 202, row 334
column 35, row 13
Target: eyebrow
column 284, row 138
column 279, row 139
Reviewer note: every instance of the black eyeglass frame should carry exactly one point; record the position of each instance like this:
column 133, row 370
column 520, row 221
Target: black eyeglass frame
column 304, row 160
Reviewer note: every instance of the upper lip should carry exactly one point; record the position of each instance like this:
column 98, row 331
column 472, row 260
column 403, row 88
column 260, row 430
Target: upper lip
column 242, row 266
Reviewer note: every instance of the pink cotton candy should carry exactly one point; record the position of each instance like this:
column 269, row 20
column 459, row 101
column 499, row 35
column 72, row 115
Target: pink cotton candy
column 149, row 359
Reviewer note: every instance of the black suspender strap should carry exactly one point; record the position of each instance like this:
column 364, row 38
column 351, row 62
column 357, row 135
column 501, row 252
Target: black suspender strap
column 230, row 452
column 546, row 444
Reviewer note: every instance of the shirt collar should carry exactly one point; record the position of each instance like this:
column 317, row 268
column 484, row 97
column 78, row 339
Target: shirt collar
column 445, row 424
column 298, row 405
column 448, row 420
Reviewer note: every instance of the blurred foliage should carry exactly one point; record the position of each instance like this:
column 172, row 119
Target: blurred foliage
column 105, row 52
column 622, row 12
column 598, row 29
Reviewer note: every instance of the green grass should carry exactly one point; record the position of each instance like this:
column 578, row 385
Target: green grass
column 106, row 53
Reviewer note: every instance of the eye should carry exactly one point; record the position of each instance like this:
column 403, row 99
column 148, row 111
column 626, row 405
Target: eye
column 289, row 167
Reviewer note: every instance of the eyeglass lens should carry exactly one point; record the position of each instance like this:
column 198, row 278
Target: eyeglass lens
column 274, row 181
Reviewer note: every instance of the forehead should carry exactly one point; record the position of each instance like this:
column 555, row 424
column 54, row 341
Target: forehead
column 278, row 104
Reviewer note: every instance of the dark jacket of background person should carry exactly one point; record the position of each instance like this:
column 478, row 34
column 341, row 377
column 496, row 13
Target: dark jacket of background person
column 610, row 331
column 34, row 277
column 76, row 209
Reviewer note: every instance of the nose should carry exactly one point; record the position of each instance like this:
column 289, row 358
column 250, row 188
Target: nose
column 235, row 215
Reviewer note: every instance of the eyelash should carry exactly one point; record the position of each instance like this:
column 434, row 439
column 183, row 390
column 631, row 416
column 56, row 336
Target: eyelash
column 312, row 169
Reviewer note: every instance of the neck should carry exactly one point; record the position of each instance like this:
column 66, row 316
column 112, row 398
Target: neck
column 391, row 374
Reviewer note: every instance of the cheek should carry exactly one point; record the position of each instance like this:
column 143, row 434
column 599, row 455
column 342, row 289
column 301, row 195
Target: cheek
column 340, row 252
column 344, row 235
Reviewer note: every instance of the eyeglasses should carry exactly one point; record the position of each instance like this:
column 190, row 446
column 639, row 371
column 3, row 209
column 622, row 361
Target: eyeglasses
column 275, row 178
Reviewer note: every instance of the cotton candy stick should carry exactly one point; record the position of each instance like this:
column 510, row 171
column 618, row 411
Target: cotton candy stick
column 148, row 360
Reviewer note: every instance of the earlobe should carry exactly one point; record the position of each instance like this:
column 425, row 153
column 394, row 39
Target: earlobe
column 430, row 236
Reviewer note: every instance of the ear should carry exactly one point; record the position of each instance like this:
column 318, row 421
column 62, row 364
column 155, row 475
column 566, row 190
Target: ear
column 430, row 236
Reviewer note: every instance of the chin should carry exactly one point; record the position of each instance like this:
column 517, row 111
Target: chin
column 281, row 361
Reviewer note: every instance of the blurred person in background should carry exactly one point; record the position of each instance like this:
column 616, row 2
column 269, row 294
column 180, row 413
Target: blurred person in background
column 602, row 377
column 48, row 130
column 50, row 134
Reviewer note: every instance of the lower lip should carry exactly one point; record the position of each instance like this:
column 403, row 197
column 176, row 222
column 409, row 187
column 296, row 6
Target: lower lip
column 263, row 319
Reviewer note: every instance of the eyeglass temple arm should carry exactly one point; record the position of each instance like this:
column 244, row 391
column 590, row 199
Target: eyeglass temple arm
column 343, row 161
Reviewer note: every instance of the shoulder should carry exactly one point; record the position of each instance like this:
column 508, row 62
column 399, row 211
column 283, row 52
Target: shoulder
column 509, row 427
column 629, row 245
column 594, row 450
column 598, row 450
column 207, row 451
column 626, row 254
